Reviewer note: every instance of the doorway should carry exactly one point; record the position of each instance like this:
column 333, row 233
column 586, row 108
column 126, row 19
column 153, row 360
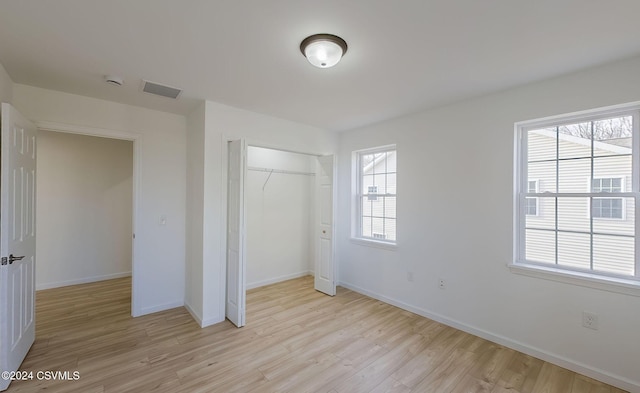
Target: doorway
column 279, row 221
column 85, row 187
column 108, row 211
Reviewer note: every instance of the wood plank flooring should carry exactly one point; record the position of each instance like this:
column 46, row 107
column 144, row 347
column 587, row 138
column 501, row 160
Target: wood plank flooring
column 296, row 340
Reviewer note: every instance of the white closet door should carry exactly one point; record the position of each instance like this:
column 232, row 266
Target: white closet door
column 324, row 259
column 236, row 268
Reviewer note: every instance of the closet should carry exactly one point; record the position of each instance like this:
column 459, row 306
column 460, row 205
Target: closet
column 280, row 215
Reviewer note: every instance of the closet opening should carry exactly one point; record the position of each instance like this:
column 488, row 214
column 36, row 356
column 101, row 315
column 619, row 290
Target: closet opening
column 279, row 197
column 279, row 221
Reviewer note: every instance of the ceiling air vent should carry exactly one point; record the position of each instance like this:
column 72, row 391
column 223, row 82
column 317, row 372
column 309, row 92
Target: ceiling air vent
column 160, row 90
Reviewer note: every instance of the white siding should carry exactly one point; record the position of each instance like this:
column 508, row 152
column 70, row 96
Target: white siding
column 612, row 254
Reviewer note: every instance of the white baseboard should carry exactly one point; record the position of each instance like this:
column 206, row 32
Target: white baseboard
column 279, row 279
column 159, row 307
column 203, row 323
column 84, row 280
column 589, row 371
column 211, row 321
column 194, row 315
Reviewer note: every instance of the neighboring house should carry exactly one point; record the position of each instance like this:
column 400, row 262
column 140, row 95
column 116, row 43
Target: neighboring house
column 569, row 163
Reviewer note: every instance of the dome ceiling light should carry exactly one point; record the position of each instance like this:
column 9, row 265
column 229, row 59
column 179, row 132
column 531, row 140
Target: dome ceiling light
column 323, row 50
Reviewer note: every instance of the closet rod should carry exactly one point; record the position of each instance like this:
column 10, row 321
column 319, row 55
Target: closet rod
column 253, row 168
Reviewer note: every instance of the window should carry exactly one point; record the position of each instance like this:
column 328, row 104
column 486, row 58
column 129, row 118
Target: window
column 584, row 229
column 531, row 203
column 376, row 194
column 607, row 207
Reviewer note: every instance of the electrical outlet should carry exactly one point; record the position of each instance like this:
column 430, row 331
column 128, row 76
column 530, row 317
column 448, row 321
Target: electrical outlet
column 441, row 283
column 590, row 320
column 409, row 276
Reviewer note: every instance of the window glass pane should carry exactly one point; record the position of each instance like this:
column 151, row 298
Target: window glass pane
column 390, row 228
column 574, row 250
column 366, row 164
column 613, row 136
column 367, row 206
column 546, row 217
column 574, row 175
column 544, row 173
column 622, row 224
column 612, row 208
column 391, row 161
column 390, row 207
column 613, row 172
column 596, row 185
column 614, row 254
column 367, row 181
column 574, row 140
column 377, row 207
column 377, row 227
column 531, row 206
column 541, row 145
column 573, row 214
column 382, row 183
column 616, row 184
column 366, row 226
column 391, row 183
column 380, row 163
column 540, row 246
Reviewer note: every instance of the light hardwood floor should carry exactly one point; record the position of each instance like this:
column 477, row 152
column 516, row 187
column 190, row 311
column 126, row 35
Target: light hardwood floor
column 296, row 340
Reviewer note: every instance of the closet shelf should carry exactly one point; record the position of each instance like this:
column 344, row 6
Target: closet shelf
column 258, row 169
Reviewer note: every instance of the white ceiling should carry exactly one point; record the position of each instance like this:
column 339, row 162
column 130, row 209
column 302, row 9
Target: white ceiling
column 403, row 55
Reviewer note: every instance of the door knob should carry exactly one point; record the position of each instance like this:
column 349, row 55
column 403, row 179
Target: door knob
column 12, row 258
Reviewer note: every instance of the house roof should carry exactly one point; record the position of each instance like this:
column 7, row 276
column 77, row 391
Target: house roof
column 616, row 145
column 403, row 56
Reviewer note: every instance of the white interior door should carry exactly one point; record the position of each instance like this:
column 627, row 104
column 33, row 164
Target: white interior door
column 236, row 268
column 17, row 239
column 324, row 259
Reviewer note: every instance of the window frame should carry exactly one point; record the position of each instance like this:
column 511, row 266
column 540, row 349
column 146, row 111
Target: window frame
column 629, row 284
column 358, row 193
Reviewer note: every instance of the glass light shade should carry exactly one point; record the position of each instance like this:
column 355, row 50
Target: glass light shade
column 323, row 50
column 323, row 54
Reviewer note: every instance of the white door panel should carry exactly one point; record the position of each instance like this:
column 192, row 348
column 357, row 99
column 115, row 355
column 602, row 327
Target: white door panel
column 235, row 302
column 17, row 240
column 324, row 259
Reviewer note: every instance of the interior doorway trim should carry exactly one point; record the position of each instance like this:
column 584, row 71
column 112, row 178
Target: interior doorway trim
column 136, row 310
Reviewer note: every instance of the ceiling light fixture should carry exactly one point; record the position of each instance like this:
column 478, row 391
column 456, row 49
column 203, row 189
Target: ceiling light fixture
column 323, row 50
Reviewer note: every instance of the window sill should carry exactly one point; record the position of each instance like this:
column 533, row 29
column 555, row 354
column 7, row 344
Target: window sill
column 611, row 284
column 374, row 243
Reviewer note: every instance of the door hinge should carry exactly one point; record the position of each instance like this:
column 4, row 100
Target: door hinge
column 4, row 261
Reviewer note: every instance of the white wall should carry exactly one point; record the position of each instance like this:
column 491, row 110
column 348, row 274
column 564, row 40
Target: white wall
column 159, row 250
column 84, row 208
column 279, row 210
column 6, row 86
column 455, row 221
column 195, row 206
column 222, row 122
